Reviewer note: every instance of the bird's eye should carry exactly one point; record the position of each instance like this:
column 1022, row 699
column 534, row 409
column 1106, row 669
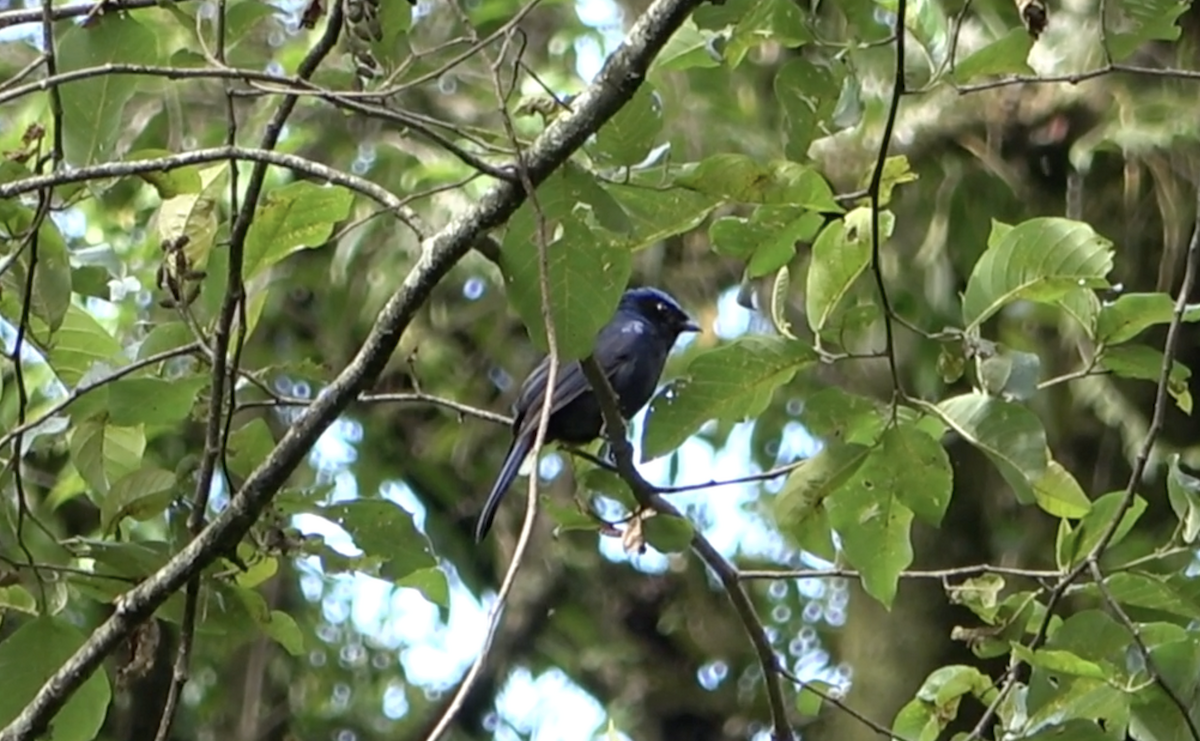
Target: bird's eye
column 661, row 307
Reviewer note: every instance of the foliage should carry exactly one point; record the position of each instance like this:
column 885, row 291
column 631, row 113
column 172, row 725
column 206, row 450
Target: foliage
column 220, row 221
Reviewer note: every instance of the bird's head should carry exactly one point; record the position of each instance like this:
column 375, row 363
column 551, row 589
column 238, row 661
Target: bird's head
column 659, row 309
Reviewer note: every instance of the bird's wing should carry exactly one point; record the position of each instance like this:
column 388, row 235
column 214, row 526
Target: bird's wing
column 615, row 347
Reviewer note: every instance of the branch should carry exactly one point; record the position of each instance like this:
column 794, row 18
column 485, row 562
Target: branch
column 614, row 430
column 616, row 83
column 20, row 17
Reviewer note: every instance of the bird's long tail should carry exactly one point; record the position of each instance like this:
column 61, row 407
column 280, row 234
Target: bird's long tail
column 512, row 464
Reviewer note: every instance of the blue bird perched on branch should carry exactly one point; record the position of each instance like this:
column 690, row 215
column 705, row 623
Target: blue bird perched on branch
column 631, row 350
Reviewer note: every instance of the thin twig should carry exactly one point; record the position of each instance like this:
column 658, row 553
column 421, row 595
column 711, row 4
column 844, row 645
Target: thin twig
column 838, row 703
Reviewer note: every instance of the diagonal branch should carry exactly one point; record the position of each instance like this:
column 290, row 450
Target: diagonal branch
column 647, row 496
column 616, row 83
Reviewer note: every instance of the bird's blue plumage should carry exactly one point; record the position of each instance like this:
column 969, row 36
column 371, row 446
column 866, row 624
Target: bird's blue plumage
column 631, row 350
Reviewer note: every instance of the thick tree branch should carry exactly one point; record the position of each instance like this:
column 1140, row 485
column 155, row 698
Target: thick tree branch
column 616, row 83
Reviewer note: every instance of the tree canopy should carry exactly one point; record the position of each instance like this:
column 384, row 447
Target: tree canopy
column 926, row 473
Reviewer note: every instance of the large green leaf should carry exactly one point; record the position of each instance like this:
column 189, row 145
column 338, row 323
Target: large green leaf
column 384, row 531
column 140, row 495
column 80, row 344
column 1010, row 435
column 808, row 92
column 767, row 239
column 291, row 218
column 586, row 274
column 27, row 659
column 154, row 401
column 93, row 108
column 103, row 453
column 871, row 508
column 50, row 296
column 1184, row 492
column 1133, row 313
column 739, row 178
column 839, row 257
column 627, row 138
column 732, row 383
column 1041, row 260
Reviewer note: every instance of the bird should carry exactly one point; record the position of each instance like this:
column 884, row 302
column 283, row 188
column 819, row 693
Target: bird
column 631, row 350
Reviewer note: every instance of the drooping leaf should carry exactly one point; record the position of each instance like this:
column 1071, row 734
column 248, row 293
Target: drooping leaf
column 50, row 294
column 731, row 383
column 1010, row 435
column 1146, row 363
column 808, row 92
column 1095, row 523
column 837, row 262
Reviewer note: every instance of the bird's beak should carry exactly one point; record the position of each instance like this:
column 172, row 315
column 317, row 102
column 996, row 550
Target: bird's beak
column 690, row 326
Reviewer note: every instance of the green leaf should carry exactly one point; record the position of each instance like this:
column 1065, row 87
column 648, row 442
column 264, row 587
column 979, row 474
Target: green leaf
column 1059, row 662
column 668, row 534
column 1145, row 364
column 1184, row 492
column 28, row 657
column 737, row 177
column 1135, row 589
column 395, row 21
column 767, row 239
column 778, row 21
column 249, row 445
column 1010, row 373
column 779, row 295
column 1133, row 313
column 382, row 529
column 141, row 495
column 1010, row 436
column 688, row 47
column 168, row 183
column 837, row 262
column 917, row 721
column 1058, row 493
column 195, row 216
column 731, row 383
column 896, row 171
column 282, row 628
column 291, row 218
column 51, row 294
column 165, row 337
column 586, row 275
column 808, row 93
column 1040, row 260
column 800, row 507
column 809, row 702
column 93, row 108
column 1004, row 56
column 1094, row 524
column 979, row 594
column 837, row 414
column 627, row 138
column 657, row 213
column 80, row 344
column 431, row 583
column 872, row 508
column 153, row 401
column 103, row 453
column 1141, row 21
